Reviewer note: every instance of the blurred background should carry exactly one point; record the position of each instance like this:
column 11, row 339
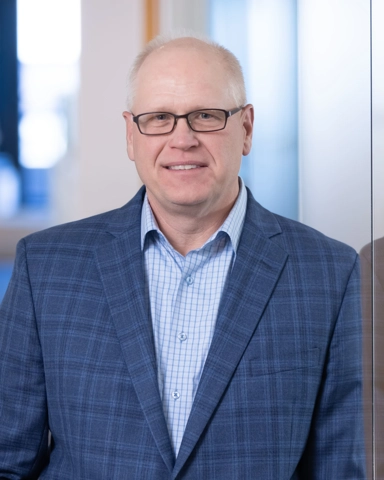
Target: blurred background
column 314, row 71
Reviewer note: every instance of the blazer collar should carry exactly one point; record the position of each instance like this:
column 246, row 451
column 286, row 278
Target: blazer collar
column 128, row 217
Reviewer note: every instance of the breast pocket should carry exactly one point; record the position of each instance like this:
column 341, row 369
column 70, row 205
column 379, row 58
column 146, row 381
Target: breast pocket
column 284, row 361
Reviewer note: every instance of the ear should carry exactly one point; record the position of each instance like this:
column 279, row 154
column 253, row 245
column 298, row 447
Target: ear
column 128, row 117
column 248, row 117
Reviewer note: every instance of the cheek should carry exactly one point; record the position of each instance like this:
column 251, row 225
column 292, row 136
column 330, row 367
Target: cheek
column 231, row 154
column 145, row 151
column 138, row 147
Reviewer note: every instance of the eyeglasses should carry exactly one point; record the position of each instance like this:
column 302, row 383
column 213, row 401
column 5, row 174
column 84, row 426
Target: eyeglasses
column 161, row 123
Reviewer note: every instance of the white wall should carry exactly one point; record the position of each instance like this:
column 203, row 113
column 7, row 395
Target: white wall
column 191, row 15
column 378, row 115
column 334, row 118
column 102, row 175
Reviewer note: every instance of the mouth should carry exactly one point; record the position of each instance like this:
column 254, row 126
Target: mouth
column 183, row 167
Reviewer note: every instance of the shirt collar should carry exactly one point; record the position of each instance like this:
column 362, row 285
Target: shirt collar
column 232, row 226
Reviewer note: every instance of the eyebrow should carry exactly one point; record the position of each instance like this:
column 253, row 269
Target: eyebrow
column 193, row 109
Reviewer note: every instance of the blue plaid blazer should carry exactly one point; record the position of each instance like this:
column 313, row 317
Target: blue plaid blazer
column 280, row 395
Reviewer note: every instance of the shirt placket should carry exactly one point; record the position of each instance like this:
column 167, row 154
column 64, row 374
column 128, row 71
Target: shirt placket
column 180, row 379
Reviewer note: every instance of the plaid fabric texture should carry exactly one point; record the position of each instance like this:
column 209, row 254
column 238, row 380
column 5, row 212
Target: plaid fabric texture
column 279, row 397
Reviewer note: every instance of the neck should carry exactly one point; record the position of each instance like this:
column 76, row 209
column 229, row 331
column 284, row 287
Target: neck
column 188, row 229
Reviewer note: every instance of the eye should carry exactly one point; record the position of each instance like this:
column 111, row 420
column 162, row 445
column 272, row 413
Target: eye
column 205, row 115
column 162, row 116
column 156, row 118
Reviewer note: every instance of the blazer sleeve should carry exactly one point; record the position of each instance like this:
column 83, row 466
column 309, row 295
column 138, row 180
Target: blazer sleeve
column 23, row 407
column 335, row 447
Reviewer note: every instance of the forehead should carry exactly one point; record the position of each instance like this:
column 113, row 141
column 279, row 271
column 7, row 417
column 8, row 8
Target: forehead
column 182, row 77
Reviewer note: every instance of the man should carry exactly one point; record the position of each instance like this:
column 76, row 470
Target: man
column 190, row 334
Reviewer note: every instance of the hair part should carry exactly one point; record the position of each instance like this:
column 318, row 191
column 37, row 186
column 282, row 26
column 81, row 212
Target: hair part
column 236, row 84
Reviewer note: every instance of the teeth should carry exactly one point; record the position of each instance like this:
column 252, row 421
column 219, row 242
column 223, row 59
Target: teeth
column 183, row 167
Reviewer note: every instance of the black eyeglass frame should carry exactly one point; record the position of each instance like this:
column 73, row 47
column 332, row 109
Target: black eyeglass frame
column 228, row 113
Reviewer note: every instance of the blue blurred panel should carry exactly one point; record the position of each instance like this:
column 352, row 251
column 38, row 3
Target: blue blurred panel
column 228, row 26
column 272, row 26
column 5, row 275
column 263, row 35
column 36, row 189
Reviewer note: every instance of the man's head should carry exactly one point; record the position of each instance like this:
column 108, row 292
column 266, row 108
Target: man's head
column 232, row 66
column 185, row 170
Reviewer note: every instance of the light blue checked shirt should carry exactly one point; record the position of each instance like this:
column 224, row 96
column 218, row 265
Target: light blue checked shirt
column 184, row 294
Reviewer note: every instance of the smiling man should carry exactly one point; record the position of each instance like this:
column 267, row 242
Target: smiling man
column 190, row 169
column 191, row 334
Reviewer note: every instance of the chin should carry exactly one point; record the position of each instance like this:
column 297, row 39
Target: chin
column 185, row 197
column 187, row 202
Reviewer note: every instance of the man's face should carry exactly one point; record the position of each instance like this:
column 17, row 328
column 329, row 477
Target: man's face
column 181, row 80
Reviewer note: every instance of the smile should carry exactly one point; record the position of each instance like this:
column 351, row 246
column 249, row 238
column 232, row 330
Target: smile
column 183, row 167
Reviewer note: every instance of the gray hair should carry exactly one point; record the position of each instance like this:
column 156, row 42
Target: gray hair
column 236, row 85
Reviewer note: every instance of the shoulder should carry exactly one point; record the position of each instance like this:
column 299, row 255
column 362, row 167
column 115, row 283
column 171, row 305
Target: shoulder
column 298, row 240
column 92, row 230
column 296, row 235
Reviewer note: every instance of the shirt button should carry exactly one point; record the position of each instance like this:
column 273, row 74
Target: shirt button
column 175, row 395
column 189, row 280
column 182, row 336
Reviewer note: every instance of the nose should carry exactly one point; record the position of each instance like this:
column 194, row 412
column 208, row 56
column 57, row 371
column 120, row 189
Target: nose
column 183, row 136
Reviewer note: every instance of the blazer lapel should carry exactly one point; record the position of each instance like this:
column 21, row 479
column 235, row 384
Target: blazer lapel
column 121, row 269
column 257, row 269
